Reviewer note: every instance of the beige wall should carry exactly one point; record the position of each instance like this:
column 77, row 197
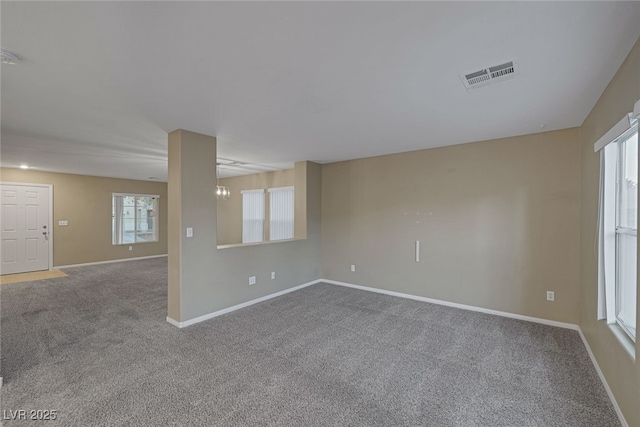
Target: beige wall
column 230, row 210
column 621, row 371
column 85, row 201
column 204, row 279
column 498, row 223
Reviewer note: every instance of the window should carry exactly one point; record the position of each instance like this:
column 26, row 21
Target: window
column 134, row 218
column 626, row 231
column 281, row 210
column 252, row 216
column 618, row 232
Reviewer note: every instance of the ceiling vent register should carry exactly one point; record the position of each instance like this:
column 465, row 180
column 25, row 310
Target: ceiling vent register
column 489, row 75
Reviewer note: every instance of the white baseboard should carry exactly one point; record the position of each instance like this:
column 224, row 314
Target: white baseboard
column 59, row 267
column 457, row 305
column 376, row 290
column 423, row 299
column 604, row 380
column 174, row 322
column 504, row 314
column 238, row 306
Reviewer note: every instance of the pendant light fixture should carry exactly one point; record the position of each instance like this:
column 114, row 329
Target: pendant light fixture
column 222, row 191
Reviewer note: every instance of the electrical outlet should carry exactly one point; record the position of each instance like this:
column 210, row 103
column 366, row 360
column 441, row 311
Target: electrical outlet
column 273, row 275
column 130, row 248
column 551, row 296
column 353, row 267
column 252, row 280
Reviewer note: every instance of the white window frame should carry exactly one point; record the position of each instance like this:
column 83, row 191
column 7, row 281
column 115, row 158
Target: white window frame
column 281, row 213
column 117, row 228
column 610, row 233
column 620, row 231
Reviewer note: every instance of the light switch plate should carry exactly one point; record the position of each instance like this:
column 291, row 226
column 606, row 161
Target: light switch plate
column 189, row 231
column 63, row 223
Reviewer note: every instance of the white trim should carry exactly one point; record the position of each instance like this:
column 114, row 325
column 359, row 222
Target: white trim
column 614, row 133
column 503, row 314
column 174, row 322
column 271, row 190
column 457, row 305
column 110, row 261
column 135, row 195
column 261, row 190
column 238, row 306
column 50, row 226
column 50, row 219
column 604, row 380
column 571, row 326
column 636, row 110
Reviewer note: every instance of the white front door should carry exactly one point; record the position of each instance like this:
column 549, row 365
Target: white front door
column 24, row 219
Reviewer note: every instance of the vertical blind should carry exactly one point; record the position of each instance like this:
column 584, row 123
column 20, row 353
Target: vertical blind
column 252, row 216
column 281, row 211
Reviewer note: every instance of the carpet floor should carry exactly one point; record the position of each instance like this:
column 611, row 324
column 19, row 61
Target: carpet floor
column 95, row 347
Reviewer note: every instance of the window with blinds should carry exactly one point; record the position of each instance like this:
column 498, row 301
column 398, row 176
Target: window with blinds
column 252, row 216
column 281, row 211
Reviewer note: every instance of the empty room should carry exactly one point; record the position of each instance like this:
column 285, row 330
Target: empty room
column 319, row 213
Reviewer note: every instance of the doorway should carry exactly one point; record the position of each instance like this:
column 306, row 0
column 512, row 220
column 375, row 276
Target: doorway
column 25, row 227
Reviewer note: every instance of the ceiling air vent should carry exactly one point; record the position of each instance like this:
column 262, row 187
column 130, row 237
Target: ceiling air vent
column 488, row 75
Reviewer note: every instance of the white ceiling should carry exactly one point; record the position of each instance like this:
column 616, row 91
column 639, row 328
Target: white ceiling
column 101, row 84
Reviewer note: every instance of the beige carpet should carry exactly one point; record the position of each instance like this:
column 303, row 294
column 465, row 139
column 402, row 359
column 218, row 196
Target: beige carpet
column 32, row 276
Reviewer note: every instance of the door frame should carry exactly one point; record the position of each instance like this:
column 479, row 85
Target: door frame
column 49, row 220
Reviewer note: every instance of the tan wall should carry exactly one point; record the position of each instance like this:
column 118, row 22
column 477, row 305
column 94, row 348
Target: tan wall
column 85, row 201
column 230, row 210
column 498, row 223
column 621, row 371
column 203, row 278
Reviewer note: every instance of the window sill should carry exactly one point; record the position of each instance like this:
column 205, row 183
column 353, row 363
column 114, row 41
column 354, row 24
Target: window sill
column 133, row 244
column 268, row 242
column 624, row 339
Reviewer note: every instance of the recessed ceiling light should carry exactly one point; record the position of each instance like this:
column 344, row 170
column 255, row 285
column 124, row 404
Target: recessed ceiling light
column 8, row 58
column 23, row 166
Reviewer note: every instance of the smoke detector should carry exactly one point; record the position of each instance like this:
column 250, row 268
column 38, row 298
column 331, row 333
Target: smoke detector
column 489, row 75
column 8, row 58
